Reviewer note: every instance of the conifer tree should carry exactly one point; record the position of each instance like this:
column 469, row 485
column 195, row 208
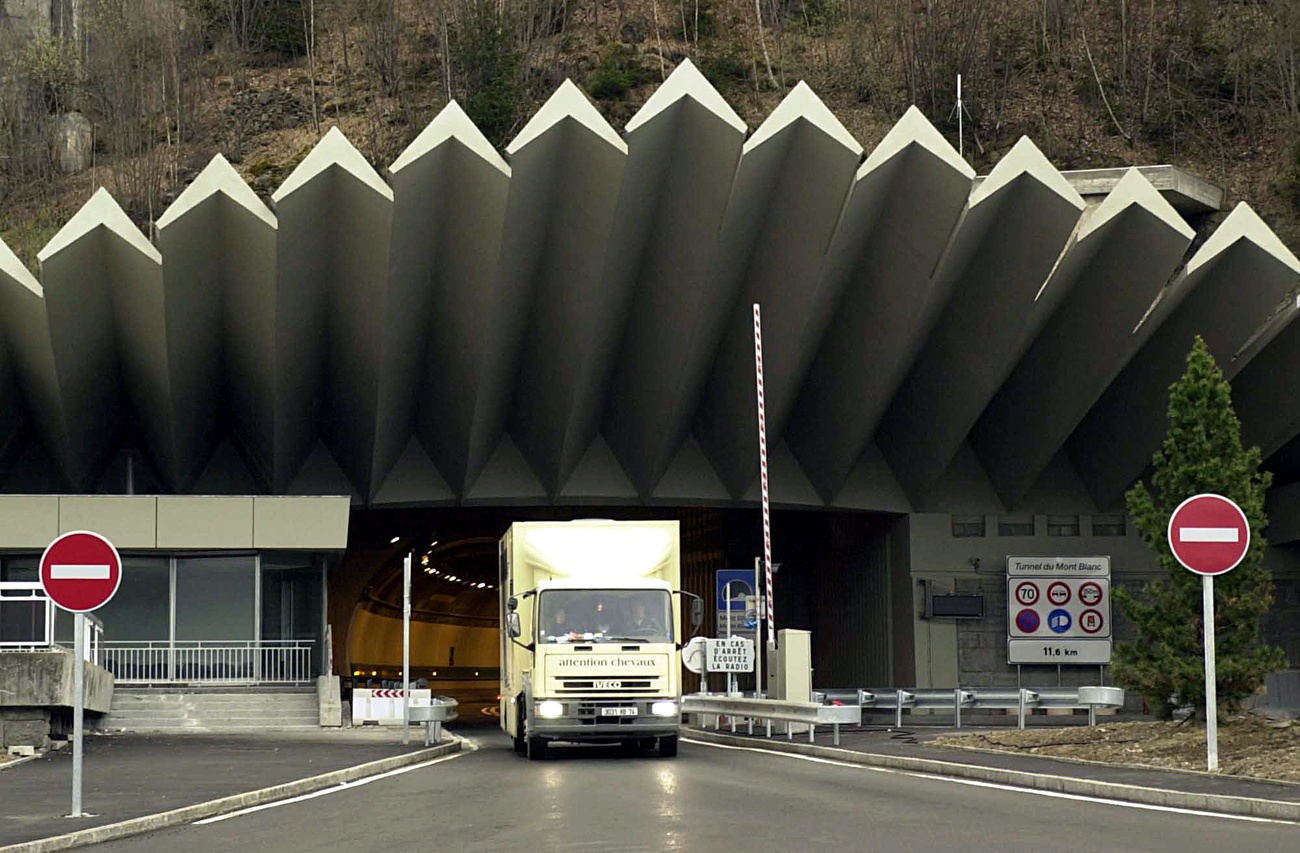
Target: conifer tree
column 1202, row 452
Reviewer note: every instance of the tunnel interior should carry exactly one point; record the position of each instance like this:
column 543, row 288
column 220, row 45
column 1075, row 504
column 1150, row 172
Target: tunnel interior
column 833, row 579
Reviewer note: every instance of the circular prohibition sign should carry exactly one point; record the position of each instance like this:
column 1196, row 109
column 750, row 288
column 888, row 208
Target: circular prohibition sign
column 1090, row 593
column 1027, row 593
column 1091, row 621
column 1059, row 593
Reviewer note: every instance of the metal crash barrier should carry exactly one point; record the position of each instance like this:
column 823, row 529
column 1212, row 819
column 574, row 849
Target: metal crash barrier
column 433, row 712
column 811, row 714
column 1022, row 700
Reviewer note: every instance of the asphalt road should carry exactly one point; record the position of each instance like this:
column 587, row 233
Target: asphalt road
column 596, row 798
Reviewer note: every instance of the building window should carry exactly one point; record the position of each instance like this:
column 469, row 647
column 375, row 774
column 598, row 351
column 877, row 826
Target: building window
column 1063, row 525
column 965, row 526
column 1109, row 525
column 1015, row 525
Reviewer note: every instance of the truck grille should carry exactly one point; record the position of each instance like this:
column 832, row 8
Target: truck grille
column 640, row 684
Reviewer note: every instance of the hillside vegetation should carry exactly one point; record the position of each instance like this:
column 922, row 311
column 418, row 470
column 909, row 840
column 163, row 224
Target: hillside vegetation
column 1211, row 86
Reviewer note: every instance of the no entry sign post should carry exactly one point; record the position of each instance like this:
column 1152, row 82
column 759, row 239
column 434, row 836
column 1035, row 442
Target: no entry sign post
column 1209, row 535
column 80, row 572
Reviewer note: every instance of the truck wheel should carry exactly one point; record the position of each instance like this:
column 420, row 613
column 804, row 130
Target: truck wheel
column 536, row 749
column 668, row 746
column 521, row 745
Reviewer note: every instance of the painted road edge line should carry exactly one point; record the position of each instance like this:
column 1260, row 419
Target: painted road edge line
column 468, row 746
column 196, row 811
column 1210, row 804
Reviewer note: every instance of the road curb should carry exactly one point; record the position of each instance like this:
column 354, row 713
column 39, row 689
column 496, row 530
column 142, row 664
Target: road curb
column 1218, row 803
column 234, row 802
column 1069, row 759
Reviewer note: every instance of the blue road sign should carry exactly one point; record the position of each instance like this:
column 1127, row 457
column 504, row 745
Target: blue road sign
column 742, row 584
column 1059, row 621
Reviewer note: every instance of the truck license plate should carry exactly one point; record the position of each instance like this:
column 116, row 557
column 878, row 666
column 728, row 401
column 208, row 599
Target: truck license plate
column 618, row 712
column 608, row 685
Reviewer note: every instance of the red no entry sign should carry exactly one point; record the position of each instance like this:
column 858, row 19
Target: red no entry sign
column 81, row 571
column 1209, row 534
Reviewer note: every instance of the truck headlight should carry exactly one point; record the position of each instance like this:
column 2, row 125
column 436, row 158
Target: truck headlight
column 664, row 709
column 550, row 709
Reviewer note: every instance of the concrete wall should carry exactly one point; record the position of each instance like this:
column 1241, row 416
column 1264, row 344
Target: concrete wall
column 973, row 652
column 36, row 691
column 301, row 523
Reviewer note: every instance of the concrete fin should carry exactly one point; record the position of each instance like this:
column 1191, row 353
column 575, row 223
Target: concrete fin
column 451, row 123
column 871, row 485
column 226, row 474
column 598, row 475
column 334, row 149
column 1058, row 488
column 786, row 480
column 14, row 268
column 1243, row 222
column 414, row 479
column 802, row 103
column 686, row 81
column 217, row 176
column 914, row 128
column 321, row 475
column 567, row 102
column 1133, row 189
column 1024, row 158
column 690, row 476
column 963, row 487
column 506, row 475
column 103, row 210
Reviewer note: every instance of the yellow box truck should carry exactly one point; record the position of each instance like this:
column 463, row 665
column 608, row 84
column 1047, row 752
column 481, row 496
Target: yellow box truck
column 591, row 633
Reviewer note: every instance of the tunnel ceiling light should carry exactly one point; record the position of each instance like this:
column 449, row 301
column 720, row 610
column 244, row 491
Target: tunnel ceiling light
column 482, row 585
column 425, row 559
column 393, row 541
column 434, row 542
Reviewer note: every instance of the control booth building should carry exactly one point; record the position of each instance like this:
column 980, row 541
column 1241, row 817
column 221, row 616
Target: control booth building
column 958, row 369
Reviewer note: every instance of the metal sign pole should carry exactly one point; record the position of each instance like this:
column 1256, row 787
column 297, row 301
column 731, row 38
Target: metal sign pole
column 731, row 676
column 406, row 650
column 758, row 634
column 1211, row 688
column 78, row 708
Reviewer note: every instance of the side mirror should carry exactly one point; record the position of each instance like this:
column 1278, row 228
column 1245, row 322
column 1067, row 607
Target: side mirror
column 513, row 626
column 513, row 604
column 697, row 613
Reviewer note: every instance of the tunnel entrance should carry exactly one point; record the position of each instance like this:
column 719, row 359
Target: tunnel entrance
column 834, row 580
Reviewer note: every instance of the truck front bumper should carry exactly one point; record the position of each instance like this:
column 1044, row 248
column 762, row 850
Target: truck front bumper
column 582, row 720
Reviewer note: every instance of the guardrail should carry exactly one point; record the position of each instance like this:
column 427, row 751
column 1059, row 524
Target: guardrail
column 439, row 710
column 209, row 662
column 1023, row 700
column 811, row 714
column 27, row 621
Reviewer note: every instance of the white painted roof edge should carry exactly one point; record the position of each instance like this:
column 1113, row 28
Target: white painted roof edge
column 802, row 103
column 686, row 81
column 103, row 210
column 1025, row 158
column 567, row 101
column 451, row 122
column 1132, row 189
column 914, row 128
column 14, row 268
column 1243, row 222
column 334, row 149
column 217, row 176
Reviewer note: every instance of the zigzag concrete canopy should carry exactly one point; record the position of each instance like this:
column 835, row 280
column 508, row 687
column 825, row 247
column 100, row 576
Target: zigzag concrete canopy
column 570, row 322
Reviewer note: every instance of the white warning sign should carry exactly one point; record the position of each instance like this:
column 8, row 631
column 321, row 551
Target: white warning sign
column 733, row 654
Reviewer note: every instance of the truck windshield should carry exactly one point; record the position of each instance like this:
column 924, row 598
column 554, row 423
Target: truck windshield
column 608, row 615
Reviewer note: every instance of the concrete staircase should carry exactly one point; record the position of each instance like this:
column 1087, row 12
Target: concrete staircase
column 199, row 710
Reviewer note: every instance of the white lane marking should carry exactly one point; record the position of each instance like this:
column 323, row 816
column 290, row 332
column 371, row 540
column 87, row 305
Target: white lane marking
column 976, row 783
column 1208, row 534
column 468, row 745
column 75, row 572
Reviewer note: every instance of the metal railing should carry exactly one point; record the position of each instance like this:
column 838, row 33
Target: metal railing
column 439, row 710
column 811, row 714
column 210, row 662
column 27, row 621
column 1022, row 700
